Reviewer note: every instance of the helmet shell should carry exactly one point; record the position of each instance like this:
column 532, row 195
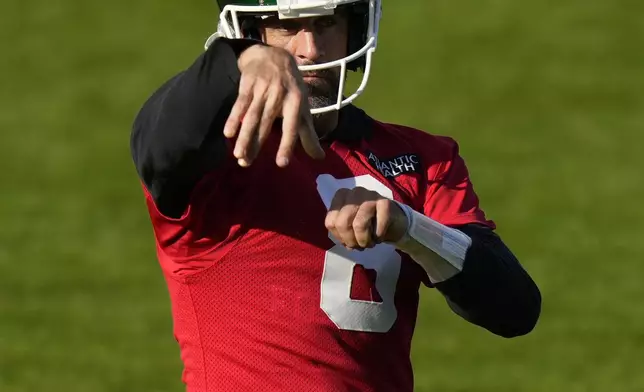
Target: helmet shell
column 239, row 18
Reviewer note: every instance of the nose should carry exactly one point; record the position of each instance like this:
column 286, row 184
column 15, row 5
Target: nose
column 308, row 46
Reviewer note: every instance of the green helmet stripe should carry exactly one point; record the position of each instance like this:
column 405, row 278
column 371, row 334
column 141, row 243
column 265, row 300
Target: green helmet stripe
column 248, row 2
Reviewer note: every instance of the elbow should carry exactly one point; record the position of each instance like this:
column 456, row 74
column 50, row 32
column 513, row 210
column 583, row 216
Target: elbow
column 519, row 319
column 516, row 328
column 513, row 317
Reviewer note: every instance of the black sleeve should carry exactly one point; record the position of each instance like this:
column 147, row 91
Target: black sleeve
column 493, row 290
column 177, row 136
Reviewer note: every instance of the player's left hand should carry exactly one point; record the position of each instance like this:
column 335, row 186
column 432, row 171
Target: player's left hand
column 361, row 219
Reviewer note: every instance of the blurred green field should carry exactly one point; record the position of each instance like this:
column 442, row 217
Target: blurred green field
column 546, row 99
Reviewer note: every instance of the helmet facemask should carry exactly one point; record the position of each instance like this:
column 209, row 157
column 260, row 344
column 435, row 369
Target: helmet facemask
column 237, row 21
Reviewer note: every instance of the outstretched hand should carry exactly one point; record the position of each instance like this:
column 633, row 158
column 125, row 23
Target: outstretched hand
column 271, row 86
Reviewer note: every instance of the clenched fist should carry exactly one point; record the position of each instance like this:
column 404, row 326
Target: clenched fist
column 361, row 219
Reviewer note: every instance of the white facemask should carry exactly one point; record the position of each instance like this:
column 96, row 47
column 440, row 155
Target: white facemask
column 229, row 27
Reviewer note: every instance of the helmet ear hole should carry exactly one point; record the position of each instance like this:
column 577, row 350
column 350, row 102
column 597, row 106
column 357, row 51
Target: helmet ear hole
column 249, row 29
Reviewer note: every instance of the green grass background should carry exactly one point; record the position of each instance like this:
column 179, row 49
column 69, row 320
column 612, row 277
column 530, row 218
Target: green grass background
column 545, row 97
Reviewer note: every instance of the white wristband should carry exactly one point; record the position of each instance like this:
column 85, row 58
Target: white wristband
column 449, row 244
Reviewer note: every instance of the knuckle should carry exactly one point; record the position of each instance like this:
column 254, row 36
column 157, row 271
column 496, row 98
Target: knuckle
column 244, row 96
column 384, row 205
column 268, row 114
column 267, row 118
column 278, row 90
column 285, row 56
column 361, row 224
column 272, row 107
column 247, row 81
column 250, row 125
column 277, row 50
column 329, row 222
column 363, row 241
column 251, row 115
column 344, row 224
column 261, row 86
column 352, row 242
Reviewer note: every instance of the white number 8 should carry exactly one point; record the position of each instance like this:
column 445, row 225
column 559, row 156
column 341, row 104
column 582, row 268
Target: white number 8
column 339, row 264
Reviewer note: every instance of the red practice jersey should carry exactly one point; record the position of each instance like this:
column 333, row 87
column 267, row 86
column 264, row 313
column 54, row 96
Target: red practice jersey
column 262, row 297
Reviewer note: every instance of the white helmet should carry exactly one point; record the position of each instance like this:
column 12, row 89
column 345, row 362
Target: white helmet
column 363, row 32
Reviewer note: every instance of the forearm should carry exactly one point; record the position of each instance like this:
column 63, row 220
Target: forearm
column 177, row 136
column 481, row 279
column 493, row 290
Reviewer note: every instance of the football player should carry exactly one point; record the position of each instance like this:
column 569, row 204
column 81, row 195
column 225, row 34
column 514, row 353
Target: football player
column 294, row 231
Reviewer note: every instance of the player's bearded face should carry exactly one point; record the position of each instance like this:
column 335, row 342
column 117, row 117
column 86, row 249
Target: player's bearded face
column 311, row 41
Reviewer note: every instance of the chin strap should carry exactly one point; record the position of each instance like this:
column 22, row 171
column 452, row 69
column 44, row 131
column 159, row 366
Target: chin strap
column 439, row 249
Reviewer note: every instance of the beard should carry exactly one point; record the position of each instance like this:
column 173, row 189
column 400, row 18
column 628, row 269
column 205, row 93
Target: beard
column 323, row 91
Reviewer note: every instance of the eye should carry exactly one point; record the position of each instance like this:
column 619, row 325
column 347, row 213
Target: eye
column 326, row 22
column 289, row 25
column 284, row 26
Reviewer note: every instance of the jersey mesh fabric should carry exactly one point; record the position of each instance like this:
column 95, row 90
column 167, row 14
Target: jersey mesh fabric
column 244, row 267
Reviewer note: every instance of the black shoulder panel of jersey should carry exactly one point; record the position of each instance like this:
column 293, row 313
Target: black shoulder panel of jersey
column 493, row 290
column 353, row 125
column 177, row 136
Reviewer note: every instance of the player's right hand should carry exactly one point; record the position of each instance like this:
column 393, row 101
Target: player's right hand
column 271, row 86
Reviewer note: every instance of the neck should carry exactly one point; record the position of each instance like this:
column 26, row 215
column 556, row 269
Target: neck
column 325, row 123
